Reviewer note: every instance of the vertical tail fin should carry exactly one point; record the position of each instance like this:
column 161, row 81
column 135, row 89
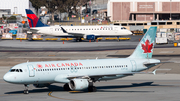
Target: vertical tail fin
column 33, row 19
column 145, row 47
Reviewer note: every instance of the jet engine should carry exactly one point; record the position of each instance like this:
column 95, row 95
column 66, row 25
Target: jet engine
column 78, row 84
column 89, row 37
column 41, row 85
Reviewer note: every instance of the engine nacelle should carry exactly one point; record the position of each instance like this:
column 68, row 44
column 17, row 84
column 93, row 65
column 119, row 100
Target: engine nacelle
column 41, row 85
column 89, row 37
column 78, row 84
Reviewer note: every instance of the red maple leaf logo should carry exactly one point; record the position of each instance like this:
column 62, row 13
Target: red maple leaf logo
column 147, row 47
column 39, row 66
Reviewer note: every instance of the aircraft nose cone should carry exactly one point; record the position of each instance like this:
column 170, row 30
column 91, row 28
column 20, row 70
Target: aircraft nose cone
column 129, row 32
column 7, row 78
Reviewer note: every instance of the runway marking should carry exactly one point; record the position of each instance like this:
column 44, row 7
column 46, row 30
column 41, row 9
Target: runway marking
column 49, row 94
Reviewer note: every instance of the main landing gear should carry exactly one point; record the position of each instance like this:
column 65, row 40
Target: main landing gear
column 66, row 87
column 78, row 39
column 118, row 38
column 26, row 89
column 91, row 88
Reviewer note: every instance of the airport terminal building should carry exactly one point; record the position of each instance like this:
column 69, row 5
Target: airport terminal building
column 143, row 10
column 15, row 7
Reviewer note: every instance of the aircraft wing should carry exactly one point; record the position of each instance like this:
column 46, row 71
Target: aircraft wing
column 101, row 75
column 76, row 34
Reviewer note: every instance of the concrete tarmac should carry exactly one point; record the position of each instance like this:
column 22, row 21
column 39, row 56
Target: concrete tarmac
column 161, row 87
column 144, row 87
column 38, row 46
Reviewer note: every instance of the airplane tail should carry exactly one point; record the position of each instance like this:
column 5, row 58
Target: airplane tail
column 145, row 47
column 33, row 19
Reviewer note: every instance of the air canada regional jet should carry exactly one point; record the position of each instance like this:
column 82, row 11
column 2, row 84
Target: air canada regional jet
column 78, row 32
column 81, row 74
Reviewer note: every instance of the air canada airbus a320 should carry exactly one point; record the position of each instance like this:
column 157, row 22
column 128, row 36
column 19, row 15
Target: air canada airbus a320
column 81, row 74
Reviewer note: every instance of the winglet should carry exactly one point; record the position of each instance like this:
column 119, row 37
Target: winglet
column 64, row 30
column 154, row 72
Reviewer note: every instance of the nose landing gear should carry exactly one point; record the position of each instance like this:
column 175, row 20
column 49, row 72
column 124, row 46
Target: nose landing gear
column 26, row 89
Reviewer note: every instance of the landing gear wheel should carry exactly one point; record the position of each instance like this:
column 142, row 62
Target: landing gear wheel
column 78, row 40
column 26, row 92
column 26, row 89
column 92, row 89
column 66, row 87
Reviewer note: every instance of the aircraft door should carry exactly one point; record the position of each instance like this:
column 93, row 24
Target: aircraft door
column 115, row 29
column 51, row 30
column 31, row 70
column 134, row 67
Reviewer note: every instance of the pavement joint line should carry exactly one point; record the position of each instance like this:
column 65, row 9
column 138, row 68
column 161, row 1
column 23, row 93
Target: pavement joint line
column 50, row 94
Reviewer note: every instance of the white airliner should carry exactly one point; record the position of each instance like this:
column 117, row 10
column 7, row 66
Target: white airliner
column 81, row 74
column 86, row 32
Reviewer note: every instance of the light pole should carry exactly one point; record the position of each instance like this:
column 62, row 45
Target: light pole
column 170, row 9
column 91, row 11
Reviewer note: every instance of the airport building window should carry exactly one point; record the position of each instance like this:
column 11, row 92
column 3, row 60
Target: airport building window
column 124, row 24
column 169, row 23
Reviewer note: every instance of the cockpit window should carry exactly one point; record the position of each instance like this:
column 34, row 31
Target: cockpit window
column 12, row 70
column 16, row 70
column 123, row 28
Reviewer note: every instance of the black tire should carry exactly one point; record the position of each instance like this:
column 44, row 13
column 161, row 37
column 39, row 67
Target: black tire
column 66, row 87
column 26, row 92
column 92, row 89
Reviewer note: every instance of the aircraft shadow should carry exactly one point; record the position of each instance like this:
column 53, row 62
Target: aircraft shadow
column 99, row 89
column 40, row 90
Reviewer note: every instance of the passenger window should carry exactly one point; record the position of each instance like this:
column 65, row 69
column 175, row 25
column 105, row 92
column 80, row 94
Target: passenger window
column 20, row 70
